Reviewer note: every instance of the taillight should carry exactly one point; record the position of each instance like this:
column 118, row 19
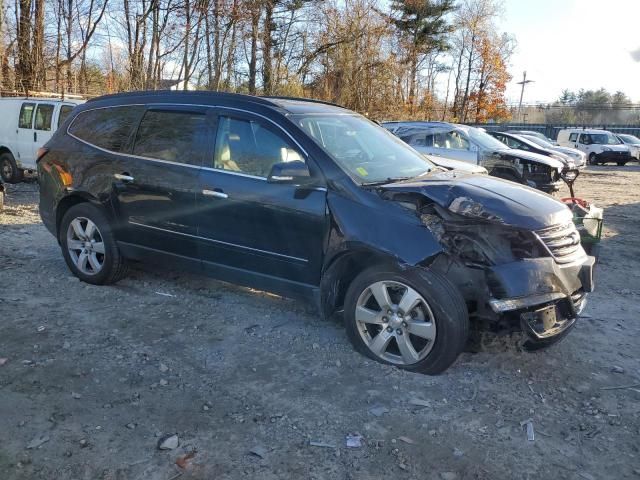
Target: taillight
column 41, row 153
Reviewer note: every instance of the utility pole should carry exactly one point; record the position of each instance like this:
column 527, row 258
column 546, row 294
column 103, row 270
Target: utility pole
column 523, row 83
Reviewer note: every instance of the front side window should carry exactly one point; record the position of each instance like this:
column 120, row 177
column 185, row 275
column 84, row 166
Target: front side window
column 26, row 115
column 110, row 128
column 249, row 147
column 172, row 136
column 366, row 151
column 604, row 139
column 65, row 110
column 44, row 115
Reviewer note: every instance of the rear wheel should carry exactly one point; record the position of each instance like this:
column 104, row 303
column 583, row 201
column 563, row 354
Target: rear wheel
column 621, row 164
column 89, row 246
column 414, row 319
column 9, row 169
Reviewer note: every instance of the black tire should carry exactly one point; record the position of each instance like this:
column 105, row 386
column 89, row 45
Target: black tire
column 621, row 164
column 9, row 170
column 592, row 159
column 114, row 266
column 444, row 299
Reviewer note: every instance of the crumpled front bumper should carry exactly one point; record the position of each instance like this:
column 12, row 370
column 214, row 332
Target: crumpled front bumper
column 547, row 297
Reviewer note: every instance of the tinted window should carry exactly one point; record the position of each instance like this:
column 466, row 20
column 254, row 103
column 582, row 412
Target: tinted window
column 451, row 140
column 585, row 139
column 573, row 137
column 65, row 110
column 26, row 115
column 251, row 148
column 172, row 136
column 44, row 114
column 109, row 128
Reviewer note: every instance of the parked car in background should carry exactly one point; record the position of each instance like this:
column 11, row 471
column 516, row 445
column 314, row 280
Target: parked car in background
column 450, row 164
column 26, row 124
column 522, row 143
column 473, row 145
column 632, row 142
column 533, row 133
column 600, row 146
column 311, row 200
column 578, row 157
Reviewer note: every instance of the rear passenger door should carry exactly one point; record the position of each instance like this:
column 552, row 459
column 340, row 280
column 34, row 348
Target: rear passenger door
column 155, row 186
column 258, row 229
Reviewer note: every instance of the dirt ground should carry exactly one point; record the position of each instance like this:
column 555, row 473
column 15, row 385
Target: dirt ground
column 94, row 377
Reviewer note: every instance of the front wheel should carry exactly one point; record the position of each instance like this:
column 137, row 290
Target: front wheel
column 89, row 246
column 621, row 164
column 9, row 170
column 414, row 319
column 592, row 159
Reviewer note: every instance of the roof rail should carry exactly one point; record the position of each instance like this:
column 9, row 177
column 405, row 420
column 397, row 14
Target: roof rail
column 300, row 99
column 189, row 93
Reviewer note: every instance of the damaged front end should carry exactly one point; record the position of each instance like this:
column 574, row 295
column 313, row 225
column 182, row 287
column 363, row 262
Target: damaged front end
column 516, row 272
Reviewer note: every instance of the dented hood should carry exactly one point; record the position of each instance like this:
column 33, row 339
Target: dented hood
column 489, row 198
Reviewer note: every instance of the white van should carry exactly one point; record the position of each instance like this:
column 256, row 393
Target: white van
column 26, row 124
column 600, row 146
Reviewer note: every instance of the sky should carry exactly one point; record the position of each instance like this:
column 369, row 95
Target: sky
column 573, row 44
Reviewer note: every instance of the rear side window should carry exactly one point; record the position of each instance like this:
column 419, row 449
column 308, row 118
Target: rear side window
column 172, row 136
column 44, row 115
column 110, row 128
column 26, row 115
column 573, row 137
column 65, row 110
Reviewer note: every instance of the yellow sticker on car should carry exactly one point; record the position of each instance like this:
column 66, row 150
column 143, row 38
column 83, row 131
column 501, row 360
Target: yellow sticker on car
column 362, row 171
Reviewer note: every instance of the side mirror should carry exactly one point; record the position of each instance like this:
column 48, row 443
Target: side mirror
column 473, row 147
column 295, row 172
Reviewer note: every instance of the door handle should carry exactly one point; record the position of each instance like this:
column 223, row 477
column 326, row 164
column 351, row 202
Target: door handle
column 214, row 193
column 35, row 136
column 123, row 177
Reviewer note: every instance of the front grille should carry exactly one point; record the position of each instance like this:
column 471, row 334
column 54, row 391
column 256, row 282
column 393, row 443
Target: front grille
column 562, row 242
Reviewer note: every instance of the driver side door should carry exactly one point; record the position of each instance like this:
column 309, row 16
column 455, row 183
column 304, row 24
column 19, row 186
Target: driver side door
column 254, row 230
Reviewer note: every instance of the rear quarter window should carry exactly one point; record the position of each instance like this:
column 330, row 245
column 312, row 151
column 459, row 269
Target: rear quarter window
column 110, row 128
column 573, row 137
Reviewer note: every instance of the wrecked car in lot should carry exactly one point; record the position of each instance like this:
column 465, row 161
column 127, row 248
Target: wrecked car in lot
column 310, row 200
column 473, row 145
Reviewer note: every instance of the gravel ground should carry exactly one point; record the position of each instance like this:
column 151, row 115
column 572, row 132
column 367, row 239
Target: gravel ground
column 92, row 378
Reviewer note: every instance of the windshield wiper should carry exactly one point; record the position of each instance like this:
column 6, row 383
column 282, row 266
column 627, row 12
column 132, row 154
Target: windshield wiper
column 384, row 182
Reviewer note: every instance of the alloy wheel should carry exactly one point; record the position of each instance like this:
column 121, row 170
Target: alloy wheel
column 85, row 246
column 395, row 322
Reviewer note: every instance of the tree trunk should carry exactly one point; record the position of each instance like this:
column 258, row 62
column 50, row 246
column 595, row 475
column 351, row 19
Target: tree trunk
column 255, row 25
column 267, row 60
column 24, row 71
column 39, row 71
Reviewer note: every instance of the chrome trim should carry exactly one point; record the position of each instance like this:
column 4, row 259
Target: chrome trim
column 510, row 304
column 304, row 260
column 124, row 178
column 214, row 193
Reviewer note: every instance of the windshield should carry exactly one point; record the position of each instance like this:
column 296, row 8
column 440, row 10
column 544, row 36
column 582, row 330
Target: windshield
column 604, row 139
column 538, row 141
column 366, row 151
column 630, row 139
column 486, row 141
